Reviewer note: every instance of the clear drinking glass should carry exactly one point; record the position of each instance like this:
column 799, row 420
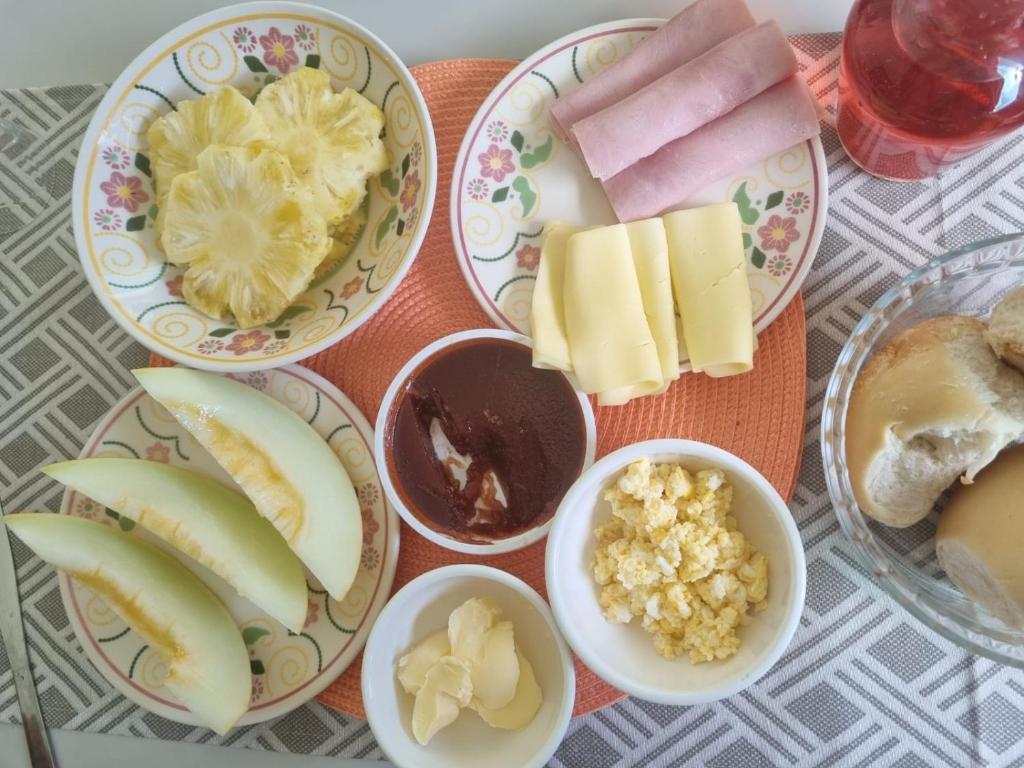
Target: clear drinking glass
column 924, row 83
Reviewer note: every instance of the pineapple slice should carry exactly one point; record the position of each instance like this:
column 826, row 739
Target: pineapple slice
column 177, row 138
column 332, row 139
column 343, row 241
column 247, row 230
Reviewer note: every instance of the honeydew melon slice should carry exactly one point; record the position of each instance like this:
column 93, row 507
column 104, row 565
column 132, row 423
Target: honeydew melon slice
column 159, row 598
column 212, row 524
column 285, row 468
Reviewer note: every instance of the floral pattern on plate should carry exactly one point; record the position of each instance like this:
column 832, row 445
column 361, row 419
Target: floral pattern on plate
column 512, row 175
column 288, row 669
column 115, row 197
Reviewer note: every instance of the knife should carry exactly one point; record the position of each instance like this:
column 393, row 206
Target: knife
column 13, row 633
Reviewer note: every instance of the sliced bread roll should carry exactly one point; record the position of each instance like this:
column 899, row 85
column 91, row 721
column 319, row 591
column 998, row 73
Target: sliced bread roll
column 1005, row 332
column 979, row 538
column 934, row 405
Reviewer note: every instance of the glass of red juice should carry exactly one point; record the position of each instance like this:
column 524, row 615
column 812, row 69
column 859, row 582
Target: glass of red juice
column 924, row 83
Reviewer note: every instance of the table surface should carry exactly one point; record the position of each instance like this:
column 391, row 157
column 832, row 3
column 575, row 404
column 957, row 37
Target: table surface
column 93, row 40
column 862, row 682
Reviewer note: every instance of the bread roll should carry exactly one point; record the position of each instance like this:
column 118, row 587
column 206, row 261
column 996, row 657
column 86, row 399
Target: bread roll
column 979, row 538
column 1005, row 332
column 934, row 405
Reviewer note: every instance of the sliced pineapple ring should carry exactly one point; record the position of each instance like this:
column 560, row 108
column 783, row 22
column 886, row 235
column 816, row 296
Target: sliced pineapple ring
column 343, row 241
column 247, row 230
column 176, row 139
column 332, row 139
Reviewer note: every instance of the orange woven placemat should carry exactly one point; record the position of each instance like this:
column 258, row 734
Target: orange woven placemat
column 758, row 416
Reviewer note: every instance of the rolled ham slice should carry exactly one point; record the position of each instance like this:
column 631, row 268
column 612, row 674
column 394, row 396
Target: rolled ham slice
column 780, row 117
column 703, row 89
column 688, row 34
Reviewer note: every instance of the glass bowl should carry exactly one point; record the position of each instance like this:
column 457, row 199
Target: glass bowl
column 968, row 281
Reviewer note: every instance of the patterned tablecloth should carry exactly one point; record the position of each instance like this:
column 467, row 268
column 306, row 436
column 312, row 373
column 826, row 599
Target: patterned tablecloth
column 862, row 683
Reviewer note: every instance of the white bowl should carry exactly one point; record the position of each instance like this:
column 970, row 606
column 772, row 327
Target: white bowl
column 118, row 245
column 422, row 607
column 624, row 655
column 397, row 387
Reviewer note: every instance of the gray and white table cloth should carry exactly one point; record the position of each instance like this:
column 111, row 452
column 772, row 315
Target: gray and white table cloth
column 863, row 683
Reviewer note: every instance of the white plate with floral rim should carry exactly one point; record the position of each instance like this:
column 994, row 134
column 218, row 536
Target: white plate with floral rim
column 513, row 174
column 288, row 669
column 113, row 198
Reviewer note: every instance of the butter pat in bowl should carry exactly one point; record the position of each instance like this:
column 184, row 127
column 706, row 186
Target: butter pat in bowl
column 399, row 655
column 689, row 543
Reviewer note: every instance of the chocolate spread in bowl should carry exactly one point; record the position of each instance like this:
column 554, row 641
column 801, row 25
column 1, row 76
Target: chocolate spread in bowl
column 482, row 444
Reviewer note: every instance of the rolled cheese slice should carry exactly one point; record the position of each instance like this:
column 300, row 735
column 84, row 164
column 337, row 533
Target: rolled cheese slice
column 650, row 257
column 770, row 122
column 709, row 275
column 612, row 349
column 688, row 34
column 547, row 310
column 680, row 102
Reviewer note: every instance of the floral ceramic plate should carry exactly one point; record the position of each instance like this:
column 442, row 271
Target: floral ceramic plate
column 513, row 174
column 113, row 207
column 287, row 669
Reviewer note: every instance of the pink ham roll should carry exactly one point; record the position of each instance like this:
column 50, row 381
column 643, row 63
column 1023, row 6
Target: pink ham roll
column 689, row 96
column 780, row 117
column 686, row 35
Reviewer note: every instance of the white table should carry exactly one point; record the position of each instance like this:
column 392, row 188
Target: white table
column 61, row 42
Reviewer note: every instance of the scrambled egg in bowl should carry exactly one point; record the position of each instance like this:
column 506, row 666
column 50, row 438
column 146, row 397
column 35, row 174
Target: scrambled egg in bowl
column 672, row 555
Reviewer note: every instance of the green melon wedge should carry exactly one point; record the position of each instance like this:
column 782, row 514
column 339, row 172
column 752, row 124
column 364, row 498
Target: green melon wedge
column 285, row 468
column 159, row 598
column 213, row 525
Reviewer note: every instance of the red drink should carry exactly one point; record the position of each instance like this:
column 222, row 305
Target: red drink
column 924, row 83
